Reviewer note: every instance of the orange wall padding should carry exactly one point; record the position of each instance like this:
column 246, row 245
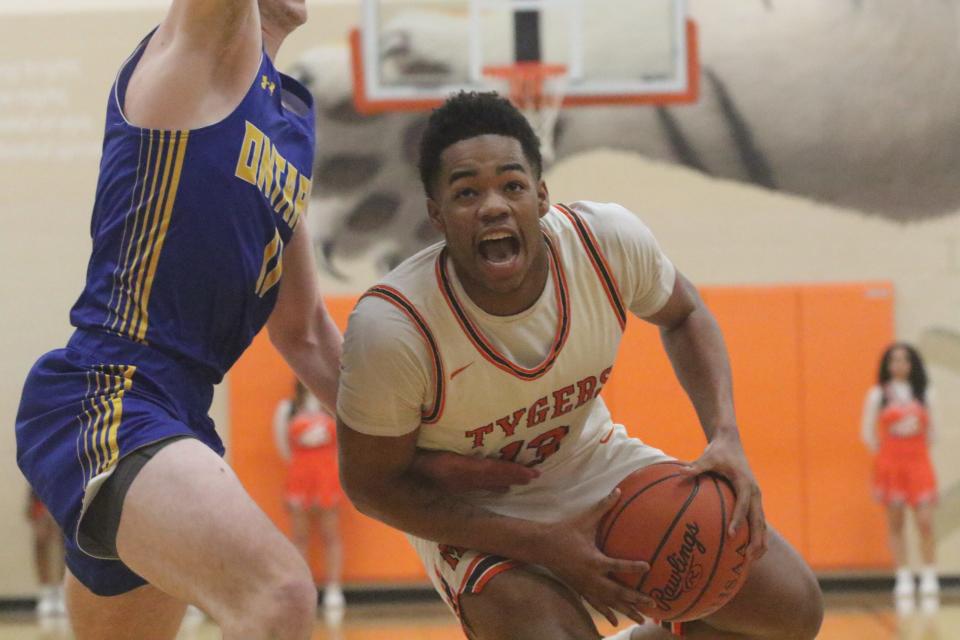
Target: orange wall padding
column 845, row 329
column 802, row 356
column 373, row 552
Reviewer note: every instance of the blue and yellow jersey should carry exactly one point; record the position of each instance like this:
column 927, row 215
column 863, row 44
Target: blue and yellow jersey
column 189, row 227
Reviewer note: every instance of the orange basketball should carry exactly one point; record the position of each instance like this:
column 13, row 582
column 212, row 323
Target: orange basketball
column 678, row 524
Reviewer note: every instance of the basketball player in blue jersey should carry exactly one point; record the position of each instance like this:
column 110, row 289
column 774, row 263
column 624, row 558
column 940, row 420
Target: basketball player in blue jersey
column 494, row 344
column 199, row 241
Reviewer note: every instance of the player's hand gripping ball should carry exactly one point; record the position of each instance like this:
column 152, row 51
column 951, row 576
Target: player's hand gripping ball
column 679, row 524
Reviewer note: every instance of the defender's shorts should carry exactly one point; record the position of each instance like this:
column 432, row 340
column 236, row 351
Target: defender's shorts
column 455, row 571
column 85, row 407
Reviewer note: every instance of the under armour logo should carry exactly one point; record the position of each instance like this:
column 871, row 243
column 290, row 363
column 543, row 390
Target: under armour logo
column 265, row 83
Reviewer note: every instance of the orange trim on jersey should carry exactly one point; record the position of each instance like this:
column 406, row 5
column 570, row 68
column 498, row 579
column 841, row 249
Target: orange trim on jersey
column 489, row 574
column 600, row 264
column 484, row 346
column 483, row 569
column 468, row 573
column 397, row 299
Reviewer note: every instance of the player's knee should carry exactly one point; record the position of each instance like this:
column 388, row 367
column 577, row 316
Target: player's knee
column 531, row 629
column 509, row 613
column 275, row 597
column 284, row 607
column 808, row 623
column 808, row 611
column 294, row 600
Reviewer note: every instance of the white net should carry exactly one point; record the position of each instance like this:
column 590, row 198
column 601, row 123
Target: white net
column 537, row 90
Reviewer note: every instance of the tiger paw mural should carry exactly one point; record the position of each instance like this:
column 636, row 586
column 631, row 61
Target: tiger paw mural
column 844, row 102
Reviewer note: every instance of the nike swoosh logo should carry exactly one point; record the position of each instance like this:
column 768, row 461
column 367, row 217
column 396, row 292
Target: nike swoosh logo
column 607, row 437
column 459, row 371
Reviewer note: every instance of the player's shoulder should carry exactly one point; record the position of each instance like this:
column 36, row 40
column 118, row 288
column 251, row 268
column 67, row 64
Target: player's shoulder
column 400, row 295
column 415, row 276
column 591, row 209
column 378, row 324
column 602, row 218
column 612, row 225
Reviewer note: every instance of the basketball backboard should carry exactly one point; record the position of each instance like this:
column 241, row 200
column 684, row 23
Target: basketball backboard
column 411, row 54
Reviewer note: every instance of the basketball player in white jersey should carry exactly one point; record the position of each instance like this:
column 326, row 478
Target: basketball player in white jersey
column 494, row 345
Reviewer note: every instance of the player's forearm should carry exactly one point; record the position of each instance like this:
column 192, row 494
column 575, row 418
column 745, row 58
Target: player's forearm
column 699, row 357
column 218, row 19
column 416, row 506
column 314, row 355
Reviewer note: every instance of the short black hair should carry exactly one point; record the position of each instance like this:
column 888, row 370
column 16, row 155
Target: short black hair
column 469, row 114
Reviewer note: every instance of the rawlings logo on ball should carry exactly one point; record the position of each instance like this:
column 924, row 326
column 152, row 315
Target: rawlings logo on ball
column 678, row 524
column 685, row 572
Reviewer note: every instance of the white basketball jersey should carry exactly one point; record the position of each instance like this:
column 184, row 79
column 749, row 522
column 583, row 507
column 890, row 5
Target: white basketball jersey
column 549, row 416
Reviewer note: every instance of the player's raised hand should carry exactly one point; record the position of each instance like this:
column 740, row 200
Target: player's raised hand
column 725, row 455
column 571, row 552
column 456, row 473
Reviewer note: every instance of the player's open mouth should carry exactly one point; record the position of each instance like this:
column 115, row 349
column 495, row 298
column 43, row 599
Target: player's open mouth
column 499, row 247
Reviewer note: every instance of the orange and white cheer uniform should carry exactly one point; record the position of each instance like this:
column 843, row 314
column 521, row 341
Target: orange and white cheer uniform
column 309, row 440
column 900, row 433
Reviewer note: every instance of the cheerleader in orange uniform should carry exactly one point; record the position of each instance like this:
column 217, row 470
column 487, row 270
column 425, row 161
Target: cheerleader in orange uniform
column 306, row 437
column 898, row 427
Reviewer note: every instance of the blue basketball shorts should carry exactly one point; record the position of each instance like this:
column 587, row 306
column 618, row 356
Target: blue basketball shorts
column 85, row 407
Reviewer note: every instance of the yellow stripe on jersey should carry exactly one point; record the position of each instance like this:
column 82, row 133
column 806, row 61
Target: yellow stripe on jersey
column 155, row 220
column 135, row 261
column 123, row 300
column 178, row 147
column 139, row 179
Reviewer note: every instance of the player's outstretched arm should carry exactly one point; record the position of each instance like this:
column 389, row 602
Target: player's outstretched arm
column 197, row 66
column 694, row 343
column 210, row 23
column 301, row 328
column 376, row 473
